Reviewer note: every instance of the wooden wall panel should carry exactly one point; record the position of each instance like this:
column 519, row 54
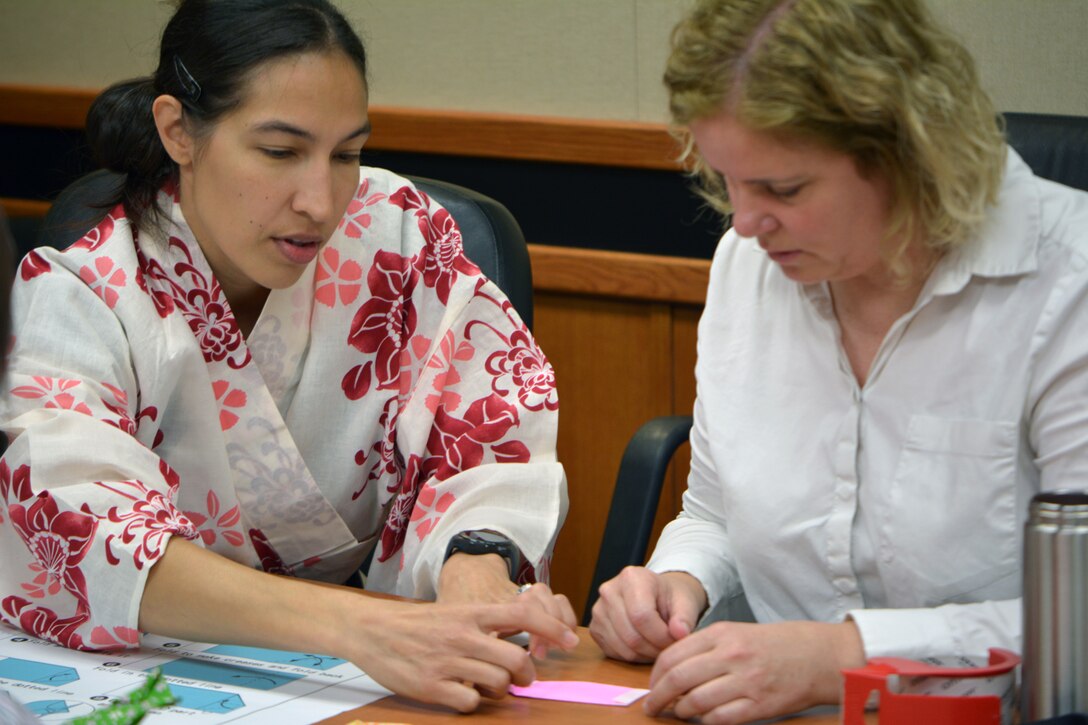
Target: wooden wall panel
column 613, row 362
column 685, row 320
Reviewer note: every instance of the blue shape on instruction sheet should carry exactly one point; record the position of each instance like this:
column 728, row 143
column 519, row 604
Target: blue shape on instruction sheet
column 278, row 656
column 40, row 673
column 227, row 674
column 47, row 707
column 195, row 698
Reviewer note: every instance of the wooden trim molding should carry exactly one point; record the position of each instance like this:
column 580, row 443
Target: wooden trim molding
column 627, row 275
column 592, row 272
column 23, row 207
column 627, row 144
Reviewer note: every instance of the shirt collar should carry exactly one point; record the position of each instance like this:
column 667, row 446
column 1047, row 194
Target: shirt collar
column 1006, row 243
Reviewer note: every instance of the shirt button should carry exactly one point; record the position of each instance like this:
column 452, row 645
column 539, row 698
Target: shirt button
column 844, row 585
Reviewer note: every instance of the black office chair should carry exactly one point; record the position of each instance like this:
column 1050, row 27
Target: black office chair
column 491, row 236
column 1055, row 147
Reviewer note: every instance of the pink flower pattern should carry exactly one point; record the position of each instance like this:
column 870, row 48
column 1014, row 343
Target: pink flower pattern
column 55, row 391
column 105, row 279
column 223, row 524
column 228, row 397
column 337, row 280
column 356, row 219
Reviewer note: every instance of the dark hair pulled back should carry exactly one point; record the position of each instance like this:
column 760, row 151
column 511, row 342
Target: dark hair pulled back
column 207, row 53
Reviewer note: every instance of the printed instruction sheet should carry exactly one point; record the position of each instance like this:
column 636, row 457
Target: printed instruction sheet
column 214, row 683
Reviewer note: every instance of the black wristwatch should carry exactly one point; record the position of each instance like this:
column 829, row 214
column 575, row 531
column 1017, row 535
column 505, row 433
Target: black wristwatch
column 486, row 542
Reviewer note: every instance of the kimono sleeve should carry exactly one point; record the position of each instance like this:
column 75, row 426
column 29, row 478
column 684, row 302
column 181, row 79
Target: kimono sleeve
column 477, row 428
column 87, row 507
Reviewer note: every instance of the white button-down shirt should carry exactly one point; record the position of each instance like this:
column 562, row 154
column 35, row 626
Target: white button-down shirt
column 901, row 502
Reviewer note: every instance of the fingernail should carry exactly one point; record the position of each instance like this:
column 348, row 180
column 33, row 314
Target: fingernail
column 570, row 639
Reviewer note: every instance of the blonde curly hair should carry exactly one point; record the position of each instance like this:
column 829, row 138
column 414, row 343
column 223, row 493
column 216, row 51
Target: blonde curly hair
column 878, row 80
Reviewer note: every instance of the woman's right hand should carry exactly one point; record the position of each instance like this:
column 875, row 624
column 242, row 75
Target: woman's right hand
column 447, row 654
column 639, row 613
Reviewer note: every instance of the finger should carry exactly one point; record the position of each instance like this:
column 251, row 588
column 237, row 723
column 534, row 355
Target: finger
column 627, row 633
column 490, row 680
column 718, row 693
column 673, row 678
column 555, row 605
column 457, row 695
column 506, row 655
column 522, row 615
column 566, row 611
column 641, row 605
column 679, row 627
column 680, row 612
column 600, row 628
column 740, row 710
column 685, row 650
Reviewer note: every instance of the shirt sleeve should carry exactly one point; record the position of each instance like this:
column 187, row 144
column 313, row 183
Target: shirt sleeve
column 950, row 629
column 477, row 427
column 88, row 507
column 697, row 541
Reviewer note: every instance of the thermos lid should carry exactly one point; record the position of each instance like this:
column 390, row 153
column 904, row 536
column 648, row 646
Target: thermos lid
column 1059, row 508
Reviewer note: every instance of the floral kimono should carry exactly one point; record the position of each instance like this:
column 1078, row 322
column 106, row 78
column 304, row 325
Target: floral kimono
column 386, row 401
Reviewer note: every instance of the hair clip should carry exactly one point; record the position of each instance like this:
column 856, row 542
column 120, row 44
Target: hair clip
column 185, row 78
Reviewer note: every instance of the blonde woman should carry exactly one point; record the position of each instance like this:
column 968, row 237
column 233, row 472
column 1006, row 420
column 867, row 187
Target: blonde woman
column 892, row 360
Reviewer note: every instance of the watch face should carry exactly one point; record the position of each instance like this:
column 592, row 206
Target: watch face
column 491, row 537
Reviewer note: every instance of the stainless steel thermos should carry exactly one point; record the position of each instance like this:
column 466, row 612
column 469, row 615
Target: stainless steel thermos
column 1055, row 662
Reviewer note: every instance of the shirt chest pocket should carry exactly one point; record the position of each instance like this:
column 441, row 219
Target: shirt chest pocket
column 950, row 532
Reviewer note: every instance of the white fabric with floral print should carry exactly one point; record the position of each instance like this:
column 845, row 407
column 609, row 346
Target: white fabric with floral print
column 390, row 398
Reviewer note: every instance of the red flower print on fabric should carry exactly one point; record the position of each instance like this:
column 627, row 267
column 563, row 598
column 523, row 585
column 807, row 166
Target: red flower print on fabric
column 43, row 622
column 457, row 444
column 336, row 279
column 33, row 265
column 383, row 459
column 443, row 259
column 228, row 397
column 58, row 540
column 150, row 268
column 400, row 511
column 410, row 199
column 56, row 389
column 430, row 502
column 105, row 279
column 147, row 522
column 382, row 325
column 98, row 236
column 523, row 366
column 270, row 560
column 15, row 485
column 356, row 219
column 202, row 303
column 222, row 523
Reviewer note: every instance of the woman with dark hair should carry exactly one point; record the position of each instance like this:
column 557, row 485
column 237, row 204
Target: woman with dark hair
column 891, row 362
column 266, row 361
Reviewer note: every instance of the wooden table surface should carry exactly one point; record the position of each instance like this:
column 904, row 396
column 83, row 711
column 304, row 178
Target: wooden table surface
column 585, row 663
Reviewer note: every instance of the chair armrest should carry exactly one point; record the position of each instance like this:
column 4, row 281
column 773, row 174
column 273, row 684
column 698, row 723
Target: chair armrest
column 634, row 500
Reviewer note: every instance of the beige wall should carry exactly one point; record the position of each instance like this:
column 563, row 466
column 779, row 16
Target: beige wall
column 578, row 58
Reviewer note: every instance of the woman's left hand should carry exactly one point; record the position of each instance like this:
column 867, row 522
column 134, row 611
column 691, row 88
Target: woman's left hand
column 734, row 672
column 469, row 578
